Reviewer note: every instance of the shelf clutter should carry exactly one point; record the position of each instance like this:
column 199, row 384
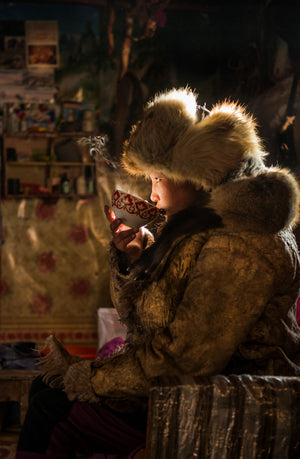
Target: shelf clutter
column 40, row 165
column 41, row 151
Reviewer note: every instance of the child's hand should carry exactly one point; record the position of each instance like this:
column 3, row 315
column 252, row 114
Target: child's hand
column 126, row 239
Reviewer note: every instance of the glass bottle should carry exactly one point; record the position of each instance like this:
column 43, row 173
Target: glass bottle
column 65, row 184
column 89, row 183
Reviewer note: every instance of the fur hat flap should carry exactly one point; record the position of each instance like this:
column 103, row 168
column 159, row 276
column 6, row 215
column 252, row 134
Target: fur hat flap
column 268, row 202
column 214, row 148
column 165, row 120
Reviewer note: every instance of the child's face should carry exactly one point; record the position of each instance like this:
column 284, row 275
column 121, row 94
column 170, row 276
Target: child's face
column 171, row 196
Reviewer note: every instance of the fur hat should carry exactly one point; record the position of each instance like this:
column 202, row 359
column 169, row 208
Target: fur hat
column 169, row 139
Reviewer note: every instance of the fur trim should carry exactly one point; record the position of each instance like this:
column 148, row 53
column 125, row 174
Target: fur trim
column 187, row 222
column 169, row 140
column 267, row 203
column 55, row 362
column 215, row 147
column 165, row 120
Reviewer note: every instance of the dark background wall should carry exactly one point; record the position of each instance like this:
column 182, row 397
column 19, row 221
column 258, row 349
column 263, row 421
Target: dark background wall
column 244, row 50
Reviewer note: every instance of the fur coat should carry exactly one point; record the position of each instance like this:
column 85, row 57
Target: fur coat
column 215, row 294
column 222, row 297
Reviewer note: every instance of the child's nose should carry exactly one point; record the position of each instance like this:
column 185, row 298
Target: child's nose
column 154, row 196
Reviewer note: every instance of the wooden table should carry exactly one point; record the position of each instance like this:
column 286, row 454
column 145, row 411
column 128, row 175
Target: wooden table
column 14, row 387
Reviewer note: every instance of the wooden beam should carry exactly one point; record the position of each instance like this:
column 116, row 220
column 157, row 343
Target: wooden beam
column 198, row 5
column 68, row 2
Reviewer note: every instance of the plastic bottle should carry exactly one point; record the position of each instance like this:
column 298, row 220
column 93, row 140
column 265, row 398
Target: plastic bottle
column 80, row 185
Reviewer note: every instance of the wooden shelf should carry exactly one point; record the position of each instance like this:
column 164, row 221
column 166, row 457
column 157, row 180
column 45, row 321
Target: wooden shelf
column 48, row 163
column 50, row 195
column 46, row 134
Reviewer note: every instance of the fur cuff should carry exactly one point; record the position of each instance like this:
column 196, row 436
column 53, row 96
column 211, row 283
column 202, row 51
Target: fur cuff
column 55, row 361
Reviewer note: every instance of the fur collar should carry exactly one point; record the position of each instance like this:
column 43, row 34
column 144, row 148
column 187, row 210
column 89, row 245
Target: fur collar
column 185, row 223
column 265, row 203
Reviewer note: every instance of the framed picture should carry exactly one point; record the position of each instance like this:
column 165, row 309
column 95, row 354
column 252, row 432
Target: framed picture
column 42, row 44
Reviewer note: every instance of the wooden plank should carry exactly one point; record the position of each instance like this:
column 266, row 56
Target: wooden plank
column 14, row 387
column 17, row 375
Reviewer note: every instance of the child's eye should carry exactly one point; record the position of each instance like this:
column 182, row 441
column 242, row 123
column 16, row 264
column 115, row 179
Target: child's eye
column 157, row 179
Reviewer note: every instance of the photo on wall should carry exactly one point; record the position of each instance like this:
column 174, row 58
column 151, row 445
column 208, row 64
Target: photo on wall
column 42, row 48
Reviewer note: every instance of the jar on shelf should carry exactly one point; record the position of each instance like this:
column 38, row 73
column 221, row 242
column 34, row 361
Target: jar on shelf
column 88, row 121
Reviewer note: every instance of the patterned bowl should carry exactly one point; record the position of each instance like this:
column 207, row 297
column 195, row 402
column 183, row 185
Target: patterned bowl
column 132, row 210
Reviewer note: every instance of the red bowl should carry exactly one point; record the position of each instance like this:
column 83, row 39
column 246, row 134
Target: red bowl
column 133, row 211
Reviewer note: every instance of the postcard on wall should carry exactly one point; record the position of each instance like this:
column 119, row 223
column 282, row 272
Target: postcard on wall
column 40, row 76
column 42, row 44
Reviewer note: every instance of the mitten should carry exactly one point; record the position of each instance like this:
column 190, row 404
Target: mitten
column 55, row 361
